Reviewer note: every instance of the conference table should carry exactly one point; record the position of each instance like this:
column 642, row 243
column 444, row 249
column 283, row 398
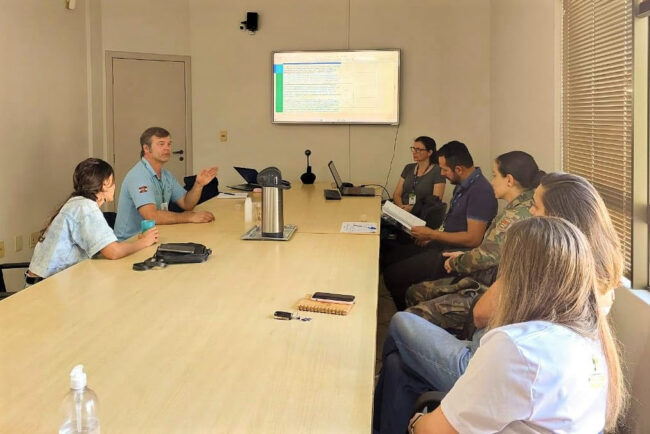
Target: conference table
column 194, row 347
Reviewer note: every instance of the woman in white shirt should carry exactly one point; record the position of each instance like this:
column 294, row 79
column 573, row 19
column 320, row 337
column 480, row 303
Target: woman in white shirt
column 549, row 362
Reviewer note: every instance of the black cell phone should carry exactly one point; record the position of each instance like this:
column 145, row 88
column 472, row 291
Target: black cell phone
column 279, row 314
column 332, row 195
column 333, row 298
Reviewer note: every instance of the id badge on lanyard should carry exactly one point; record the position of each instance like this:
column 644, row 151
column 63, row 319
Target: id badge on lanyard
column 411, row 198
column 164, row 206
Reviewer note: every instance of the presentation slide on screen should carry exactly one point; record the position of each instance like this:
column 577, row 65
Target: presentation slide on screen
column 336, row 87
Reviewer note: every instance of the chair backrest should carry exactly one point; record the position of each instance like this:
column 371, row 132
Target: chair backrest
column 110, row 218
column 3, row 287
column 430, row 209
column 210, row 190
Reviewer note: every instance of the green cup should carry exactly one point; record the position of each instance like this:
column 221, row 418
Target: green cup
column 145, row 225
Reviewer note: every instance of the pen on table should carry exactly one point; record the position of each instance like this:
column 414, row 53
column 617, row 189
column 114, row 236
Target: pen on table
column 364, row 227
column 225, row 192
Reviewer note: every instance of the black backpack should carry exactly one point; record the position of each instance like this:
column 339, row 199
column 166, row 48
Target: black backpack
column 175, row 253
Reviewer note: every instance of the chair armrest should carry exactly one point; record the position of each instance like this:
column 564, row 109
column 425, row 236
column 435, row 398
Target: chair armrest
column 6, row 266
column 469, row 328
column 14, row 265
column 428, row 401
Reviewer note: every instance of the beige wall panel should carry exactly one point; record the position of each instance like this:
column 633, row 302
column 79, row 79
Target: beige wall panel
column 231, row 80
column 44, row 106
column 523, row 80
column 146, row 26
column 444, row 93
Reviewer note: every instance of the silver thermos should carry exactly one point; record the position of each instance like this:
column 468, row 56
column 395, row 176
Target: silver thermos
column 270, row 179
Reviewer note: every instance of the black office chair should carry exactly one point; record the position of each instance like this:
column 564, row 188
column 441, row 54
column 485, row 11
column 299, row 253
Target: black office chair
column 428, row 401
column 210, row 190
column 110, row 218
column 430, row 209
column 3, row 288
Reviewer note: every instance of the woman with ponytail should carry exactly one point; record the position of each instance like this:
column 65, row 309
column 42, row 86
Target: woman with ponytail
column 446, row 302
column 549, row 362
column 78, row 230
column 438, row 358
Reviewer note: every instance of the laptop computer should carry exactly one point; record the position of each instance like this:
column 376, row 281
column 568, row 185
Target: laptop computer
column 347, row 189
column 250, row 176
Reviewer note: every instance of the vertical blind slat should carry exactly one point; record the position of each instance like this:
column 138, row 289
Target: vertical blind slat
column 597, row 104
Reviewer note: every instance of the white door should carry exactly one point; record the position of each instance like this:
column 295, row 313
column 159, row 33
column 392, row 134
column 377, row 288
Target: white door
column 146, row 93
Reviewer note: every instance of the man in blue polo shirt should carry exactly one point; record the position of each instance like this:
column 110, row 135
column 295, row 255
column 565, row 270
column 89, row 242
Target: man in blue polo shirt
column 148, row 188
column 472, row 208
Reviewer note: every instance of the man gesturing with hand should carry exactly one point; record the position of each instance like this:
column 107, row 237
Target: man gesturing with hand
column 148, row 189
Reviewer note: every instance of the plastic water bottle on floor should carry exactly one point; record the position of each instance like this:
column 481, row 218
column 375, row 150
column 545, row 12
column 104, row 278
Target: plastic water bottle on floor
column 80, row 406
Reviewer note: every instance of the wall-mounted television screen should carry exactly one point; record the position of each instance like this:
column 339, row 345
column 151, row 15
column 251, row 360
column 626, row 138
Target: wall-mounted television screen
column 336, row 87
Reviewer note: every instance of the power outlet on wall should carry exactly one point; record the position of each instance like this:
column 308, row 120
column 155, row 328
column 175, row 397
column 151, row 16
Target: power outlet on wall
column 19, row 243
column 2, row 249
column 223, row 136
column 33, row 239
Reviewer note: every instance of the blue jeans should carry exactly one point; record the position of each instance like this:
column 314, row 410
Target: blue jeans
column 397, row 390
column 418, row 356
column 436, row 355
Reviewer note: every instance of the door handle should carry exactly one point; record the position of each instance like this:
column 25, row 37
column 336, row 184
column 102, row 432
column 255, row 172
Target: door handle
column 178, row 152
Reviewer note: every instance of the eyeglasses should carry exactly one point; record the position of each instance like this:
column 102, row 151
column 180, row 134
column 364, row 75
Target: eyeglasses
column 413, row 149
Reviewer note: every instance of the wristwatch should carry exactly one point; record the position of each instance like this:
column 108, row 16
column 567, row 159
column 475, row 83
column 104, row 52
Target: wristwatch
column 412, row 425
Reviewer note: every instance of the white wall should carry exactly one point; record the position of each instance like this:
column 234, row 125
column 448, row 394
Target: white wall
column 44, row 122
column 525, row 79
column 146, row 26
column 631, row 317
column 445, row 90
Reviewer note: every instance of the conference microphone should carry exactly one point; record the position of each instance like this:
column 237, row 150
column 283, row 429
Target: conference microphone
column 308, row 177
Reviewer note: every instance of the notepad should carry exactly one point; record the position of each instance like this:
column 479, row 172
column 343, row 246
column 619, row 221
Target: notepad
column 224, row 195
column 359, row 228
column 309, row 305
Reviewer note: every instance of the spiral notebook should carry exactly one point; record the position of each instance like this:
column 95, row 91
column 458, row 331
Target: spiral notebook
column 309, row 305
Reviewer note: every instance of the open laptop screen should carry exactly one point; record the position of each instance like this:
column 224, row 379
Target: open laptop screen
column 335, row 174
column 250, row 175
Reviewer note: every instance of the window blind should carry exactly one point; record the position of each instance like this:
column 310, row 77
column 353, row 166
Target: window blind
column 597, row 104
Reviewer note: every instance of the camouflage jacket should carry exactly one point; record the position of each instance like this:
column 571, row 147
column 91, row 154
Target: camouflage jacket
column 487, row 254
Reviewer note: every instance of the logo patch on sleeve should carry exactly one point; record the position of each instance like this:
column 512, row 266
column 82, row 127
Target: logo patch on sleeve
column 503, row 224
column 143, row 189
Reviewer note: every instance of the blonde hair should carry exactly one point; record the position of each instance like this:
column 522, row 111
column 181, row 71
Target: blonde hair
column 572, row 197
column 566, row 296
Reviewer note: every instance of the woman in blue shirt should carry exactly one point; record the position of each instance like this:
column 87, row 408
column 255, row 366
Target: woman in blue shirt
column 78, row 230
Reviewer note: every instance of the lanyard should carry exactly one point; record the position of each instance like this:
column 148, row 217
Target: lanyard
column 159, row 185
column 415, row 174
column 458, row 193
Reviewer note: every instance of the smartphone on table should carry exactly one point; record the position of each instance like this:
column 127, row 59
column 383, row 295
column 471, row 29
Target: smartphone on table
column 333, row 298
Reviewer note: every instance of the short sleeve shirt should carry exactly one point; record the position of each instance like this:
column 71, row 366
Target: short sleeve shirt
column 142, row 186
column 531, row 377
column 422, row 185
column 78, row 232
column 473, row 199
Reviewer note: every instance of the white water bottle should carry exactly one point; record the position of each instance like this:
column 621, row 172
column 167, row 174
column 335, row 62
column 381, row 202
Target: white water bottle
column 80, row 406
column 248, row 212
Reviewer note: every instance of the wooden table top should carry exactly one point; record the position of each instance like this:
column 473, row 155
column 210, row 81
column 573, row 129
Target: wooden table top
column 305, row 206
column 194, row 347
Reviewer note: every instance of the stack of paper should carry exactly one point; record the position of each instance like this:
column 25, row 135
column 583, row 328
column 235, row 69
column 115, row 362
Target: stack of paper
column 403, row 217
column 224, row 195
